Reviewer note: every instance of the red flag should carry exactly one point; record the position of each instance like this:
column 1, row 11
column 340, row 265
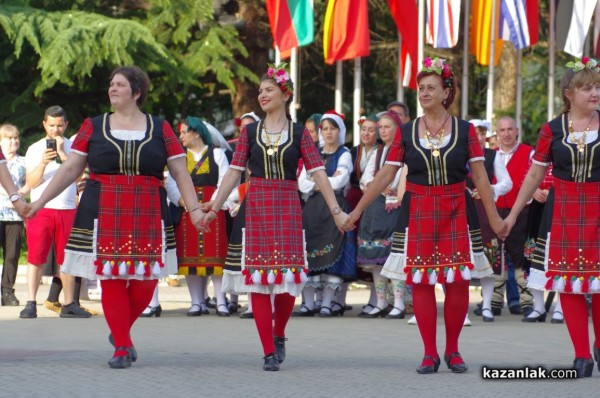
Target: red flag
column 533, row 20
column 346, row 30
column 407, row 21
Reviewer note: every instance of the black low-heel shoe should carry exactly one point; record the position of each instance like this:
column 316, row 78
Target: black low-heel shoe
column 531, row 319
column 455, row 367
column 154, row 311
column 121, row 361
column 271, row 363
column 427, row 369
column 584, row 367
column 280, row 347
column 132, row 351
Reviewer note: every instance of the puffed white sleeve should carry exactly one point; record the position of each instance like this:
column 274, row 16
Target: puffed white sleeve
column 223, row 164
column 344, row 168
column 503, row 183
column 306, row 185
column 368, row 174
column 173, row 193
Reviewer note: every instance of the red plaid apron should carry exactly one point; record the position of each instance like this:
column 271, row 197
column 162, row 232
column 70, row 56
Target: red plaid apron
column 574, row 252
column 130, row 229
column 438, row 236
column 273, row 236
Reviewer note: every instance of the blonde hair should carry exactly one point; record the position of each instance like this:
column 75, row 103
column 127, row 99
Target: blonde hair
column 572, row 80
column 6, row 129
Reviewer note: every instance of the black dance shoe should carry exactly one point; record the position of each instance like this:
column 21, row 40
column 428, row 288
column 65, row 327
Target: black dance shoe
column 304, row 311
column 154, row 311
column 30, row 310
column 455, row 367
column 280, row 347
column 271, row 363
column 539, row 318
column 584, row 367
column 379, row 313
column 247, row 315
column 400, row 315
column 222, row 313
column 121, row 361
column 337, row 309
column 427, row 369
column 487, row 315
column 193, row 311
column 132, row 351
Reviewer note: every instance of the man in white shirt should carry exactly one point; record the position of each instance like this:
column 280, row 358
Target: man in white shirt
column 53, row 223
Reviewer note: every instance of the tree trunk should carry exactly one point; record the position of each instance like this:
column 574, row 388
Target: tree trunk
column 505, row 84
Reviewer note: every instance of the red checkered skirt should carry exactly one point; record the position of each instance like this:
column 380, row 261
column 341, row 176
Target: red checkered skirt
column 130, row 226
column 573, row 245
column 201, row 253
column 438, row 236
column 273, row 239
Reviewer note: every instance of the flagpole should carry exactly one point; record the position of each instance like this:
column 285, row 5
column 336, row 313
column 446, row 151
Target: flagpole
column 399, row 85
column 357, row 98
column 277, row 56
column 339, row 86
column 519, row 102
column 551, row 55
column 294, row 76
column 489, row 112
column 464, row 109
column 420, row 40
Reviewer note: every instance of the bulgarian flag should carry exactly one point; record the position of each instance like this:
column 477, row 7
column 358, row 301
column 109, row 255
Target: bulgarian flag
column 346, row 30
column 292, row 24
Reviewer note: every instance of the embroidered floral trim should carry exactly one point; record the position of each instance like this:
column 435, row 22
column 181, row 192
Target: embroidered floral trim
column 492, row 252
column 584, row 63
column 373, row 244
column 321, row 252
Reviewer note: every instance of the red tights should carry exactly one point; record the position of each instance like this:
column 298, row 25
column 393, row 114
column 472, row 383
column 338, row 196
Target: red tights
column 456, row 305
column 123, row 302
column 263, row 317
column 575, row 310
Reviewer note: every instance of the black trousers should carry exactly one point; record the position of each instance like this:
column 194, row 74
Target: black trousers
column 11, row 236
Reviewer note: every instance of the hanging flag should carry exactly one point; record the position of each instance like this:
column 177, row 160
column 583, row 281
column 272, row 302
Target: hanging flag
column 513, row 23
column 573, row 18
column 292, row 24
column 346, row 30
column 533, row 20
column 406, row 16
column 481, row 26
column 443, row 17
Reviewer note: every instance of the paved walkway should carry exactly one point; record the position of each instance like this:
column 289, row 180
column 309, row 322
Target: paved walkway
column 211, row 356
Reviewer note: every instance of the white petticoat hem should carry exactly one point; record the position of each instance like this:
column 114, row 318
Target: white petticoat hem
column 82, row 264
column 235, row 283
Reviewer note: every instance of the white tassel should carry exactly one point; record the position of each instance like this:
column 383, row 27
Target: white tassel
column 256, row 277
column 577, row 286
column 289, row 276
column 595, row 285
column 466, row 274
column 558, row 285
column 303, row 277
column 106, row 269
column 156, row 268
column 417, row 276
column 122, row 268
column 433, row 278
column 139, row 270
column 271, row 277
column 450, row 275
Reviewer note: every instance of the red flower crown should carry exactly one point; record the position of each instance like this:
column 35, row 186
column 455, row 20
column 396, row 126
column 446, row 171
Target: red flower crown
column 281, row 77
column 440, row 67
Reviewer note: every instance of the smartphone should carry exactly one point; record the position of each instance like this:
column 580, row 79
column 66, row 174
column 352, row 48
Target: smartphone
column 51, row 144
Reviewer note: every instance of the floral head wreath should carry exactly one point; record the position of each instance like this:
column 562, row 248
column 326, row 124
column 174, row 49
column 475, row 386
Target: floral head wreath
column 281, row 77
column 440, row 67
column 584, row 63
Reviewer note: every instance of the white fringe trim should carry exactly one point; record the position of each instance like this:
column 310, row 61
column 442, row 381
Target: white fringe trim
column 234, row 283
column 82, row 264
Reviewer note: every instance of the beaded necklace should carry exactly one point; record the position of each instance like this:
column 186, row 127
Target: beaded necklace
column 581, row 141
column 437, row 137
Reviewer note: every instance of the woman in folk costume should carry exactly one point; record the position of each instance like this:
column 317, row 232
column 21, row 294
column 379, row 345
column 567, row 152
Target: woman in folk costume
column 122, row 233
column 377, row 225
column 567, row 251
column 432, row 242
column 273, row 246
column 201, row 254
column 331, row 253
column 361, row 153
column 501, row 184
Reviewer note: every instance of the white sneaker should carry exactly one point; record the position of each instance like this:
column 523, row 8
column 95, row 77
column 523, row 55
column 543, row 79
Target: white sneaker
column 467, row 321
column 412, row 321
